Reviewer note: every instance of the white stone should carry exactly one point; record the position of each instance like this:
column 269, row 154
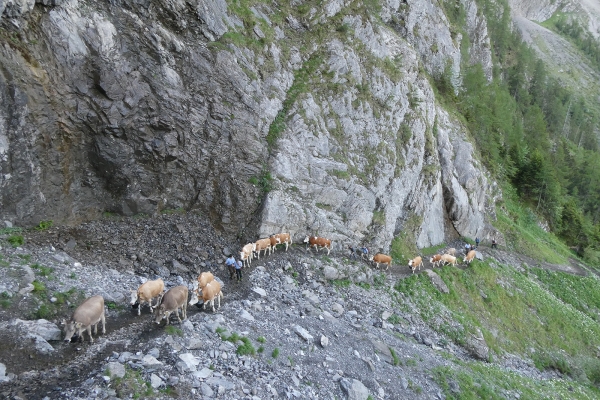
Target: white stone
column 303, row 333
column 149, row 361
column 260, row 291
column 155, row 381
column 190, row 361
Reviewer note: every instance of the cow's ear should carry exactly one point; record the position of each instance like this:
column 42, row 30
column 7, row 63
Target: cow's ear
column 63, row 322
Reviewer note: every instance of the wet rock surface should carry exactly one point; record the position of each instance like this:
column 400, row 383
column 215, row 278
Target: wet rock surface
column 285, row 331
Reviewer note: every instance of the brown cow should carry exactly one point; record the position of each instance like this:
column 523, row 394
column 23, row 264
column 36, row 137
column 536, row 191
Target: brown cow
column 209, row 293
column 448, row 259
column 204, row 278
column 146, row 293
column 435, row 260
column 89, row 313
column 470, row 256
column 263, row 244
column 172, row 301
column 381, row 258
column 280, row 238
column 316, row 242
column 247, row 253
column 415, row 263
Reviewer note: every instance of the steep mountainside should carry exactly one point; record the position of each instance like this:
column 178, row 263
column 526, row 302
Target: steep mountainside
column 319, row 117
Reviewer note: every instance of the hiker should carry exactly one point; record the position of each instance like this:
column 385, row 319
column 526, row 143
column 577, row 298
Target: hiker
column 477, row 242
column 494, row 245
column 365, row 253
column 352, row 252
column 230, row 263
column 467, row 248
column 238, row 270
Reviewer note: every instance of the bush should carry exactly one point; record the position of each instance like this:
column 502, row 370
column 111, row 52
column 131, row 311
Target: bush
column 246, row 349
column 16, row 240
column 43, row 225
column 275, row 352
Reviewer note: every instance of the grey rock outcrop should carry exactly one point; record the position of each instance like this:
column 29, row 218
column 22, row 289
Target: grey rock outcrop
column 136, row 109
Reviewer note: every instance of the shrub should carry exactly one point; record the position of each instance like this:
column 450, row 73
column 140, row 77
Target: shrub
column 38, row 287
column 245, row 349
column 261, row 339
column 16, row 240
column 43, row 225
column 275, row 352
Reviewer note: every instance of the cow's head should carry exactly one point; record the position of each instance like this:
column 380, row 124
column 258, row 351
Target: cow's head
column 70, row 328
column 306, row 240
column 371, row 258
column 194, row 299
column 160, row 313
column 134, row 297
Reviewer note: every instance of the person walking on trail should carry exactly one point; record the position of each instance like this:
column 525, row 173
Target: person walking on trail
column 494, row 245
column 365, row 253
column 238, row 270
column 231, row 265
column 467, row 248
column 230, row 260
column 477, row 242
column 352, row 252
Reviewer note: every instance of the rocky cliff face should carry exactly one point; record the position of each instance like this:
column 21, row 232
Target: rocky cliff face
column 140, row 106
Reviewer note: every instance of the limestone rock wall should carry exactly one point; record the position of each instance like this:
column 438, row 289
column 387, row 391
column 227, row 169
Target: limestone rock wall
column 141, row 106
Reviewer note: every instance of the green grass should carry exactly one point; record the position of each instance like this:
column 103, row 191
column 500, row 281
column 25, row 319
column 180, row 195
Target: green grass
column 275, row 352
column 15, row 240
column 341, row 282
column 171, row 330
column 44, row 225
column 5, row 300
column 484, row 381
column 394, row 319
column 42, row 271
column 261, row 339
column 246, row 349
column 395, row 359
column 132, row 385
column 517, row 313
column 38, row 287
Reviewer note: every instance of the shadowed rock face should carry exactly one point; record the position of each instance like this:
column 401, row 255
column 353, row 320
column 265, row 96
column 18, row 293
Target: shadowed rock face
column 136, row 107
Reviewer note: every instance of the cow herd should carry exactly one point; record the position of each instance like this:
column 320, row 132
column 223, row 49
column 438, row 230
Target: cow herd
column 91, row 311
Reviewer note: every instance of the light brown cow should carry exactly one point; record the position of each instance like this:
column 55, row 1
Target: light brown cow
column 172, row 301
column 146, row 293
column 209, row 293
column 247, row 253
column 415, row 263
column 89, row 313
column 448, row 259
column 280, row 238
column 470, row 256
column 381, row 258
column 316, row 242
column 204, row 278
column 263, row 244
column 435, row 260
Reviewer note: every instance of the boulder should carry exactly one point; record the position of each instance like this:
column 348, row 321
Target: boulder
column 354, row 389
column 437, row 281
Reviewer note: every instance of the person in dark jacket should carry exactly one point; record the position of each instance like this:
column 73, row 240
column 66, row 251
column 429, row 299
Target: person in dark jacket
column 238, row 270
